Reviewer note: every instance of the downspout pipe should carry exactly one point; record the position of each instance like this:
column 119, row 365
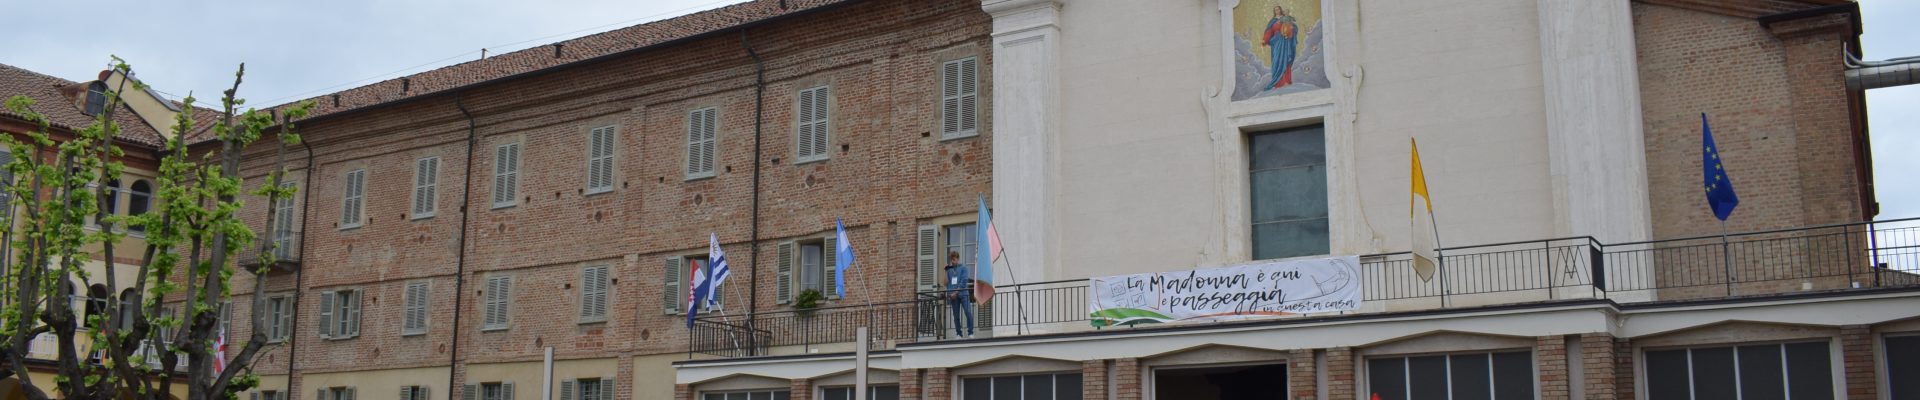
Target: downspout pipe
column 753, row 270
column 460, row 254
column 299, row 273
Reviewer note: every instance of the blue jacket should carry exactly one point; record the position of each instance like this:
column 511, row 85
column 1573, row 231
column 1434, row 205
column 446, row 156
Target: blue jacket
column 960, row 278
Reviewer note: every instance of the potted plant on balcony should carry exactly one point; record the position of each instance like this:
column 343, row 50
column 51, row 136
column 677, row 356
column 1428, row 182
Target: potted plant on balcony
column 807, row 301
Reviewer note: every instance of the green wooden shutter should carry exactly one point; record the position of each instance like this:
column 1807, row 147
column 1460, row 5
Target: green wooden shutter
column 406, row 393
column 353, row 314
column 320, row 394
column 326, row 314
column 783, row 261
column 672, row 298
column 606, row 388
column 566, row 390
column 827, row 254
column 928, row 254
column 469, row 392
column 506, row 390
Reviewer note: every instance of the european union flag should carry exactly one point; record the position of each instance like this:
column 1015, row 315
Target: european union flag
column 1719, row 190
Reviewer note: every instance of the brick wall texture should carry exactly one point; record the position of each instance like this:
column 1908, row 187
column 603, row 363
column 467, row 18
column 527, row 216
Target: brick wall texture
column 1301, row 375
column 1093, row 379
column 888, row 171
column 1783, row 122
column 1126, row 379
column 1550, row 364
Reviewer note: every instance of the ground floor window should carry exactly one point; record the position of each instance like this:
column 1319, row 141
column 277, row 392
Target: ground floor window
column 874, row 392
column 748, row 395
column 1903, row 367
column 1246, row 382
column 1022, row 387
column 1793, row 371
column 1499, row 375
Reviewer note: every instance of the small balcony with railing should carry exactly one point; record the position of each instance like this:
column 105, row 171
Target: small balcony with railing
column 281, row 251
column 1869, row 256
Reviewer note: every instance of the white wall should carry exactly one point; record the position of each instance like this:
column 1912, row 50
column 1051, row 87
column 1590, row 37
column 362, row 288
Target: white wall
column 1141, row 163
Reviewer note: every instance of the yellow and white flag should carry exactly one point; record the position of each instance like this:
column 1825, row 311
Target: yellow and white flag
column 1425, row 237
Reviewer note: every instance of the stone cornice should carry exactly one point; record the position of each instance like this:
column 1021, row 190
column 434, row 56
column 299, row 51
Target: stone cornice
column 998, row 8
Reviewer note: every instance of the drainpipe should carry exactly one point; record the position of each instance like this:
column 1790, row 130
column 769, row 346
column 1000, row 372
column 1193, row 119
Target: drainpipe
column 299, row 274
column 753, row 274
column 460, row 255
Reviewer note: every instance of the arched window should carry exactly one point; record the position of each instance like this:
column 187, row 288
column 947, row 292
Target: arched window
column 139, row 199
column 126, row 309
column 96, row 98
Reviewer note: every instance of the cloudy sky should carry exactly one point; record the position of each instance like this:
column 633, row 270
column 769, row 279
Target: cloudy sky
column 310, row 48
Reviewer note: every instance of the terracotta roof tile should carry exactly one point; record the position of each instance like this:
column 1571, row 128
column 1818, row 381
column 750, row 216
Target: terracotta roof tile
column 61, row 108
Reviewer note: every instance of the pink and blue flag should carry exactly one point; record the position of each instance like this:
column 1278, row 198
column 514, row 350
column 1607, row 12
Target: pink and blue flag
column 990, row 252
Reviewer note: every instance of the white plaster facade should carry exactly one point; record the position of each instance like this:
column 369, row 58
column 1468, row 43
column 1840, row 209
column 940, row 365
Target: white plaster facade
column 1121, row 152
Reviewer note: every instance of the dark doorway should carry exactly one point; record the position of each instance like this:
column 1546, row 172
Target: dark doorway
column 1248, row 382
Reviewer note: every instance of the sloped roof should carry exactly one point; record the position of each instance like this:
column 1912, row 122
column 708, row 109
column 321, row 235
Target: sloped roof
column 542, row 57
column 55, row 99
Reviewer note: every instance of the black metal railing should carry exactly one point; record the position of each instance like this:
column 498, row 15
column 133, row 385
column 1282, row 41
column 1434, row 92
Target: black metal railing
column 1831, row 257
column 285, row 246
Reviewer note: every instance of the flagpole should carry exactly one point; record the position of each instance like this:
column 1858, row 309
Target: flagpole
column 1439, row 253
column 1726, row 257
column 1019, row 302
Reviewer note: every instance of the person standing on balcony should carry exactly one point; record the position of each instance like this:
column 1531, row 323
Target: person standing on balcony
column 959, row 296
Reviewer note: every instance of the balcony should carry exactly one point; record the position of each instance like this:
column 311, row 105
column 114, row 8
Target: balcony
column 1847, row 257
column 285, row 252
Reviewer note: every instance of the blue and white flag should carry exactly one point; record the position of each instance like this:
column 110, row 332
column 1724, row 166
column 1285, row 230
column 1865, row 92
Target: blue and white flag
column 1719, row 189
column 842, row 258
column 717, row 270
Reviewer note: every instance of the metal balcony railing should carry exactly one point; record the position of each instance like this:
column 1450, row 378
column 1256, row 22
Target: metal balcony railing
column 285, row 245
column 1832, row 257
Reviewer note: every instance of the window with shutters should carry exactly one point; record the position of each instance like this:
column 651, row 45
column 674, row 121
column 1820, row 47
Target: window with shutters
column 340, row 314
column 594, row 283
column 489, row 391
column 1763, row 371
column 959, row 98
column 426, row 182
column 587, row 389
column 748, row 395
column 702, row 137
column 874, row 392
column 335, row 393
column 1022, row 387
column 414, row 315
column 812, row 115
column 1497, row 375
column 279, row 318
column 671, row 277
column 282, row 235
column 352, row 199
column 506, row 175
column 806, row 265
column 600, row 160
column 1288, row 189
column 139, row 200
column 415, row 392
column 499, row 291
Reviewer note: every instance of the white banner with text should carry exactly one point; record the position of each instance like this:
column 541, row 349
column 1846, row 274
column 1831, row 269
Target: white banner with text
column 1268, row 288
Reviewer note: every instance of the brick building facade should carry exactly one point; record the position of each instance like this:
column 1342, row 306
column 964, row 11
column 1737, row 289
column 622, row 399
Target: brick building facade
column 366, row 225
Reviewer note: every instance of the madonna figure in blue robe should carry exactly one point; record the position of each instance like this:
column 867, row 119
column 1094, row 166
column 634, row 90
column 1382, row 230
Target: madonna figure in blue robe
column 1280, row 39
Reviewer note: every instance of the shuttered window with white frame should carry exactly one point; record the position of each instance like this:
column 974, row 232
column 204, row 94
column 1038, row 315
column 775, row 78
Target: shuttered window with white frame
column 282, row 234
column 340, row 314
column 353, row 199
column 279, row 318
column 506, row 175
column 594, row 284
column 812, row 131
column 426, row 182
column 959, row 98
column 702, row 139
column 499, row 293
column 415, row 392
column 600, row 161
column 414, row 317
